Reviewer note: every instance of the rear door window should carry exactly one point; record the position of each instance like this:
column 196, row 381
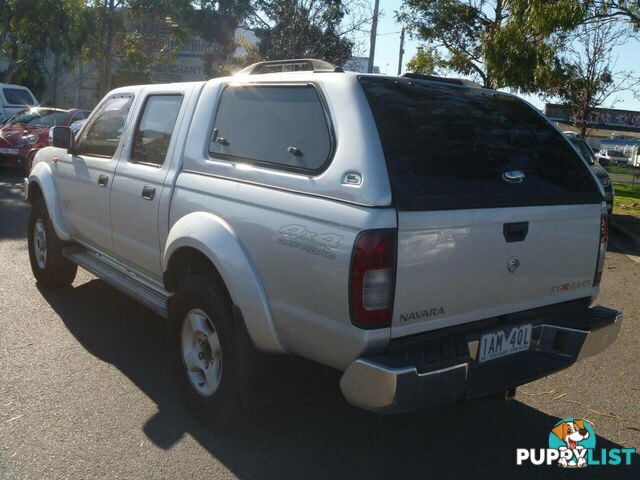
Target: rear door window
column 279, row 126
column 448, row 147
column 155, row 128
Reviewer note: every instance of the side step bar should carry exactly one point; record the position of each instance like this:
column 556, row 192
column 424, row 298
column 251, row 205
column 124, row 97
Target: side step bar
column 120, row 278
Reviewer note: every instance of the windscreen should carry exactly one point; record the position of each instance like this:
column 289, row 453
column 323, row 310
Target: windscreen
column 452, row 147
column 39, row 117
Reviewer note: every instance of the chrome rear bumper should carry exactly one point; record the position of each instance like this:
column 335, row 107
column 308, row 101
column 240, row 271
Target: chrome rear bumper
column 405, row 379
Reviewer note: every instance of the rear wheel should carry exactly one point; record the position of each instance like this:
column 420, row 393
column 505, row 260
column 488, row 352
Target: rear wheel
column 48, row 265
column 204, row 349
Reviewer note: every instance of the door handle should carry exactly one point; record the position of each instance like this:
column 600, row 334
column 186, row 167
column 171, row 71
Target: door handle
column 515, row 232
column 148, row 192
column 103, row 180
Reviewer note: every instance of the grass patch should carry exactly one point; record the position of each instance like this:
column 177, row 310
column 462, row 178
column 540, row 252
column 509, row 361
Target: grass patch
column 627, row 199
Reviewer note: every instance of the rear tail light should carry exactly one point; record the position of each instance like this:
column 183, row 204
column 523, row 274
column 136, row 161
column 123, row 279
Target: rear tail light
column 373, row 278
column 604, row 238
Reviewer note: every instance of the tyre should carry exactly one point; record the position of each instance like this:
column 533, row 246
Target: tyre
column 48, row 265
column 204, row 349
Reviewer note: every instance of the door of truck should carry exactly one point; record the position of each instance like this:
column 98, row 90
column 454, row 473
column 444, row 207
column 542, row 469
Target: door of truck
column 85, row 176
column 142, row 181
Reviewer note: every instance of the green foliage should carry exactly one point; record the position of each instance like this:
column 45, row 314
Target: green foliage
column 126, row 38
column 627, row 11
column 302, row 29
column 27, row 26
column 132, row 35
column 501, row 43
column 426, row 61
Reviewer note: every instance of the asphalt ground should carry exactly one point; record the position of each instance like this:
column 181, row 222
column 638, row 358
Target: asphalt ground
column 85, row 393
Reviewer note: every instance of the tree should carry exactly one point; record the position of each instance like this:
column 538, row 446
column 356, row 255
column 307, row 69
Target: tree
column 31, row 28
column 66, row 31
column 425, row 61
column 589, row 78
column 107, row 17
column 308, row 28
column 217, row 21
column 618, row 10
column 132, row 35
column 500, row 43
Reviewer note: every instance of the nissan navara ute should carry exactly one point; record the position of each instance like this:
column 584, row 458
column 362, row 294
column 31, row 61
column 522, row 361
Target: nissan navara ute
column 432, row 240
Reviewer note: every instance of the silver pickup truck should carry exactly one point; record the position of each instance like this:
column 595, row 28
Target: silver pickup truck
column 432, row 240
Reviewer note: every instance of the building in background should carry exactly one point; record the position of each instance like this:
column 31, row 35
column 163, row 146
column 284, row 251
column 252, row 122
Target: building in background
column 604, row 124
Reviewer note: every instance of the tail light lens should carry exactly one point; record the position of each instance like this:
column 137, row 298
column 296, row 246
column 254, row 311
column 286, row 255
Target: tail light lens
column 604, row 238
column 373, row 269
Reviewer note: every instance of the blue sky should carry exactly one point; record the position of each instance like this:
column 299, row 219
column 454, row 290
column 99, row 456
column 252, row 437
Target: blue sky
column 388, row 44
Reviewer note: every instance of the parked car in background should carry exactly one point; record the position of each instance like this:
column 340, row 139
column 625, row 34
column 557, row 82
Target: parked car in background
column 588, row 155
column 612, row 157
column 28, row 131
column 13, row 99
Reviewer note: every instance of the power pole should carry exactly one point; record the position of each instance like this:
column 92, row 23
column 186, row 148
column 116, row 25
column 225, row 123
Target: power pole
column 401, row 51
column 374, row 33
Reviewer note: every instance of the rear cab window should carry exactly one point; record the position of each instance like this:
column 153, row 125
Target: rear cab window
column 448, row 147
column 271, row 125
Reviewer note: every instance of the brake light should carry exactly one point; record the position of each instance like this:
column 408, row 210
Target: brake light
column 604, row 238
column 372, row 283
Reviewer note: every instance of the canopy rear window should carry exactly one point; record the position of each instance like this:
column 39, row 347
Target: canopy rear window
column 448, row 147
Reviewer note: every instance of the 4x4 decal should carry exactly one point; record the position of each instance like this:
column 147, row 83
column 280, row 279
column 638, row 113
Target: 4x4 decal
column 300, row 237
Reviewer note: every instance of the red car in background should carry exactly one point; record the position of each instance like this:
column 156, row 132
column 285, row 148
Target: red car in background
column 28, row 131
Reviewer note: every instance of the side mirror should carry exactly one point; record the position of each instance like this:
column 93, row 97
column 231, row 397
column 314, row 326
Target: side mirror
column 61, row 137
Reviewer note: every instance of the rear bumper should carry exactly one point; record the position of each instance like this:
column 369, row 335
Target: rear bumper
column 443, row 369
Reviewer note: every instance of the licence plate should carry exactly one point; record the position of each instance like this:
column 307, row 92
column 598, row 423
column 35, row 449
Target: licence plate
column 504, row 342
column 9, row 151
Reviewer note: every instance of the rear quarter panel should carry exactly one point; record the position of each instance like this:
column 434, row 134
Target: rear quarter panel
column 297, row 230
column 301, row 247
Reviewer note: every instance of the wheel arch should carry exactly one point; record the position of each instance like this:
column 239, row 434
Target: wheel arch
column 202, row 242
column 41, row 185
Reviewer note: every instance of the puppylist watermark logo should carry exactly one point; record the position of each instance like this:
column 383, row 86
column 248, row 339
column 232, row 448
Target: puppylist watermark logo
column 572, row 444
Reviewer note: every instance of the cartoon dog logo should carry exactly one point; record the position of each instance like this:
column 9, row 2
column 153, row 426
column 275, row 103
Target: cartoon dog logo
column 575, row 437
